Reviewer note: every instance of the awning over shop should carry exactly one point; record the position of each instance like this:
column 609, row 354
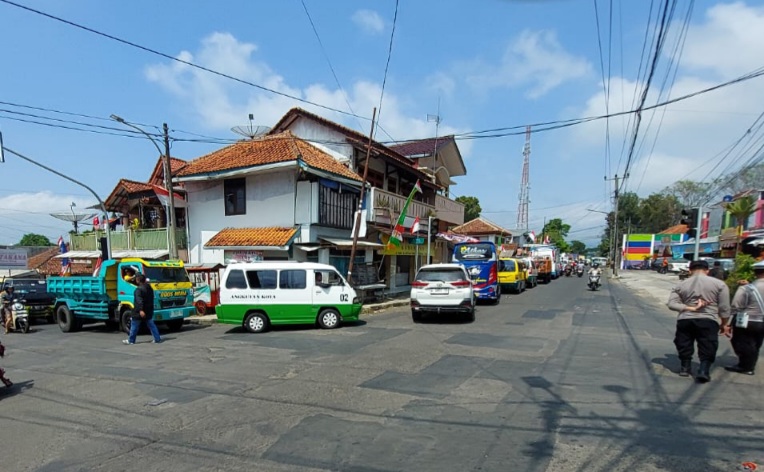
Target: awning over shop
column 707, row 246
column 348, row 243
column 257, row 239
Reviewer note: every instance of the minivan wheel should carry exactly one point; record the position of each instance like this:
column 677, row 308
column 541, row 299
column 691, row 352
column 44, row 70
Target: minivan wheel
column 329, row 318
column 256, row 322
column 498, row 296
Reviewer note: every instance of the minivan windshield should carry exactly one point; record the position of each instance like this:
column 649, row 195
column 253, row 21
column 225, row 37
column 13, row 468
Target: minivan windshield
column 440, row 275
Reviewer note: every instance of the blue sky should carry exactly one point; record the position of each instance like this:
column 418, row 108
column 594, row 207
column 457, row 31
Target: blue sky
column 490, row 63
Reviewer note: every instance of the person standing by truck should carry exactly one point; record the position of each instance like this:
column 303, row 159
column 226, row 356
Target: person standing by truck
column 143, row 310
column 6, row 299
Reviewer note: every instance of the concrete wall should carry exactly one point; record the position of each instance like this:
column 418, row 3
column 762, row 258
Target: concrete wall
column 270, row 202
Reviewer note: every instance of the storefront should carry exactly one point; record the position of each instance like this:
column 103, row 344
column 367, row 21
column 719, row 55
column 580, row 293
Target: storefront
column 708, row 248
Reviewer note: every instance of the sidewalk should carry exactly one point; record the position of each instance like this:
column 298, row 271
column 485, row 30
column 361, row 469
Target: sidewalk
column 367, row 309
column 649, row 283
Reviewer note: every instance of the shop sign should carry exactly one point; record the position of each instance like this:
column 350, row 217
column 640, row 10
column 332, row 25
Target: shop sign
column 405, row 249
column 13, row 259
column 242, row 256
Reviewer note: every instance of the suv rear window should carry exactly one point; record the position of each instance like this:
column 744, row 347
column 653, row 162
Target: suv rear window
column 440, row 275
column 506, row 266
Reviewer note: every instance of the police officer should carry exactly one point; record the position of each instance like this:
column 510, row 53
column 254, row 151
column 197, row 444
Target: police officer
column 748, row 330
column 703, row 304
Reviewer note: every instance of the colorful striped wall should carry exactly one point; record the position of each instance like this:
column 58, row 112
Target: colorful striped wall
column 638, row 246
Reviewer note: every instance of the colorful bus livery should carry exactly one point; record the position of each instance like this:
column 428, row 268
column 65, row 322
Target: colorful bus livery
column 481, row 261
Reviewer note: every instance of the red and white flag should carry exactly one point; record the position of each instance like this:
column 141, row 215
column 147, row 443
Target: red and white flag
column 164, row 197
column 415, row 226
column 97, row 269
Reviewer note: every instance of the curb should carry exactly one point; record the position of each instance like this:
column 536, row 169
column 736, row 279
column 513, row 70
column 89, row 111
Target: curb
column 366, row 310
column 201, row 320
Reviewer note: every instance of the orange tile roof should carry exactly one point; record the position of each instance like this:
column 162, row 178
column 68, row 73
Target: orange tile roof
column 157, row 175
column 676, row 229
column 46, row 264
column 480, row 226
column 354, row 137
column 282, row 147
column 252, row 237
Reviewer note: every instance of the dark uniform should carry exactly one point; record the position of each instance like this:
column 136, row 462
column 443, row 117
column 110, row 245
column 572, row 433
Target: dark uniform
column 747, row 341
column 699, row 323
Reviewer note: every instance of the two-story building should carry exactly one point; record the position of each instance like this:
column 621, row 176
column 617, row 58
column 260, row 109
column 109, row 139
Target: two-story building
column 484, row 230
column 391, row 176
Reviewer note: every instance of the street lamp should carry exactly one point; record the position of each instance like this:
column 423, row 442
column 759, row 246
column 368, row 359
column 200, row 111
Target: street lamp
column 167, row 179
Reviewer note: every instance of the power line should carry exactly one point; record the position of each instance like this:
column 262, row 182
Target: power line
column 387, row 63
column 182, row 61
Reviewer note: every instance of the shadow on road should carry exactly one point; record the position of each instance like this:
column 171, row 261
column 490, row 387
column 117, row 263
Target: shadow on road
column 17, row 388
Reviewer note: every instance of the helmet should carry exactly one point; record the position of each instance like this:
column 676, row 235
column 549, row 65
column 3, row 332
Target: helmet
column 596, row 265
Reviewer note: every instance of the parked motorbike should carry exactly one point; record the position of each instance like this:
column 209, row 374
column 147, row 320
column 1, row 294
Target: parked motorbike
column 20, row 316
column 594, row 282
column 580, row 271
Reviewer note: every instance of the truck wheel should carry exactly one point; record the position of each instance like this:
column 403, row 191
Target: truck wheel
column 175, row 325
column 125, row 320
column 329, row 318
column 66, row 320
column 201, row 307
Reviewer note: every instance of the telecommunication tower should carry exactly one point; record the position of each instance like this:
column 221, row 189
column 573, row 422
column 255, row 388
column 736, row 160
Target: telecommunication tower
column 525, row 198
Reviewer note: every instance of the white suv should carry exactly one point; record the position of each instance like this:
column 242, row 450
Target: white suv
column 442, row 288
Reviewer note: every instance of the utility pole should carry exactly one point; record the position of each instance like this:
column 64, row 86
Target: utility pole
column 698, row 228
column 357, row 225
column 168, row 183
column 429, row 230
column 616, row 261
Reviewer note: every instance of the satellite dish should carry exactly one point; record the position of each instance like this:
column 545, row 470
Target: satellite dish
column 251, row 131
column 72, row 216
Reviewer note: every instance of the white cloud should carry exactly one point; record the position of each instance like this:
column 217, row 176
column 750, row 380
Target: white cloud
column 30, row 213
column 221, row 103
column 369, row 21
column 692, row 131
column 534, row 59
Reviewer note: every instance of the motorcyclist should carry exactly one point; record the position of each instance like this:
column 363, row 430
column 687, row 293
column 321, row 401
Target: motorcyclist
column 6, row 299
column 595, row 270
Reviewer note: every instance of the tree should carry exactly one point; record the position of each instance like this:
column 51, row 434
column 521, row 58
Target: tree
column 741, row 209
column 471, row 207
column 658, row 212
column 739, row 181
column 33, row 239
column 557, row 230
column 577, row 247
column 690, row 193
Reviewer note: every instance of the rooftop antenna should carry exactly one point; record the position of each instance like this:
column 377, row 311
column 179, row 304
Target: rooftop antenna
column 525, row 198
column 436, row 119
column 73, row 217
column 251, row 131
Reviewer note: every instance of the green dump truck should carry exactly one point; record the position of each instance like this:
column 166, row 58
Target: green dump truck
column 108, row 297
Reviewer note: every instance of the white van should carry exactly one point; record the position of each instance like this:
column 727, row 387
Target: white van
column 258, row 294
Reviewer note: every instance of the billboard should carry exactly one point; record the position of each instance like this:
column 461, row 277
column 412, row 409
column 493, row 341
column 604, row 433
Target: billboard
column 13, row 259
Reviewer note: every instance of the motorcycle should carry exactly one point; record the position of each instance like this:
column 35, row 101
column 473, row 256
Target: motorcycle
column 580, row 271
column 594, row 282
column 20, row 316
column 568, row 271
column 683, row 274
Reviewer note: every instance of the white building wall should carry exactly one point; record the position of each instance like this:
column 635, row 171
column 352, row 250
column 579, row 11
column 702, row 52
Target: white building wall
column 270, row 202
column 311, row 131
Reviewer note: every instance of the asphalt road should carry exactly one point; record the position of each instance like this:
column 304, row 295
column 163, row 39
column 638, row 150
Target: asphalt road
column 555, row 379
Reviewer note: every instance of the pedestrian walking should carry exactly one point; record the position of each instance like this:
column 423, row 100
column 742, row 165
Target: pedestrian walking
column 717, row 271
column 143, row 310
column 748, row 328
column 703, row 304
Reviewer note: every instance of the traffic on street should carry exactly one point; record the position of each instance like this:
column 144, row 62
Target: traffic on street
column 559, row 378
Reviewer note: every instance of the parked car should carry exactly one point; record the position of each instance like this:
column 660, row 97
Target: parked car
column 512, row 274
column 442, row 289
column 678, row 266
column 34, row 294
